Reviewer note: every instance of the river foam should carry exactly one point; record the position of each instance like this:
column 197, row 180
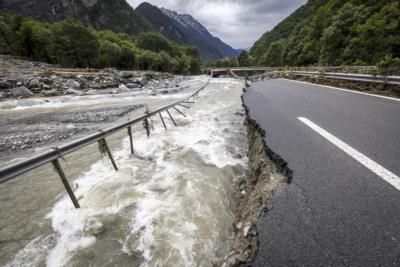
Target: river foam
column 171, row 204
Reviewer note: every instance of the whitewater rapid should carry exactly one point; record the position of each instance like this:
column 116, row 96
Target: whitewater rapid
column 172, row 203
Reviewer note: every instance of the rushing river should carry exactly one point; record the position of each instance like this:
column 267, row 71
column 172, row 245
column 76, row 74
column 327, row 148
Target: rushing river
column 172, row 203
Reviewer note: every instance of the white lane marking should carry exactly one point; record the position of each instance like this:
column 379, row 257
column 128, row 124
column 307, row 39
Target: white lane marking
column 345, row 90
column 385, row 174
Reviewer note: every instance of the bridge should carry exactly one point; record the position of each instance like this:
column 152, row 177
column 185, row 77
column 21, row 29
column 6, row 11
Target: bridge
column 239, row 72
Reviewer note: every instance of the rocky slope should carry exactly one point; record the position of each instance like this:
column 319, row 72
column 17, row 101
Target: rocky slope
column 116, row 15
column 184, row 29
column 21, row 79
column 43, row 84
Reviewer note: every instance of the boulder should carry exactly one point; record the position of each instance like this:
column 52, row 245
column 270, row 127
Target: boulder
column 133, row 85
column 73, row 84
column 103, row 85
column 126, row 74
column 168, row 91
column 53, row 92
column 46, row 87
column 36, row 90
column 21, row 91
column 3, row 95
column 122, row 87
column 5, row 85
column 47, row 80
column 92, row 92
column 140, row 80
column 34, row 83
column 71, row 91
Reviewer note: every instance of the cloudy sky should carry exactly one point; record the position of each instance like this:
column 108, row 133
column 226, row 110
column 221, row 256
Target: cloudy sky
column 237, row 22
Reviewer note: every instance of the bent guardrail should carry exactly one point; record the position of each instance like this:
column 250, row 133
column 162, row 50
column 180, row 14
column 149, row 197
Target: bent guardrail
column 350, row 77
column 395, row 80
column 14, row 170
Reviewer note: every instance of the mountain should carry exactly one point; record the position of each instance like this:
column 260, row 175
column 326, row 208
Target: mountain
column 247, row 49
column 184, row 29
column 115, row 15
column 333, row 32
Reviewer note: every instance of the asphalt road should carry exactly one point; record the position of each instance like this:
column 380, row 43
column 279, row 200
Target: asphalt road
column 337, row 211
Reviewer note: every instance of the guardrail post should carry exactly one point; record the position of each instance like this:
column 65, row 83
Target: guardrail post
column 60, row 172
column 162, row 120
column 130, row 139
column 103, row 147
column 246, row 82
column 183, row 106
column 172, row 119
column 146, row 125
column 180, row 112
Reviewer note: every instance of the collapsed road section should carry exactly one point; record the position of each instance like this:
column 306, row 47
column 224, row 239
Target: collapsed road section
column 340, row 207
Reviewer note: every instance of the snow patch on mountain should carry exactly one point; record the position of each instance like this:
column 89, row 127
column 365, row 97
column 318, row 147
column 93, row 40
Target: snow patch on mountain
column 186, row 21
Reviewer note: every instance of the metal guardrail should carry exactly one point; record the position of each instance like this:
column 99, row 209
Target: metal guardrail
column 241, row 69
column 350, row 77
column 252, row 77
column 9, row 172
column 395, row 80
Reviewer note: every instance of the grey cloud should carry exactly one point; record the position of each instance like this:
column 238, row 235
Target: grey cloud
column 237, row 22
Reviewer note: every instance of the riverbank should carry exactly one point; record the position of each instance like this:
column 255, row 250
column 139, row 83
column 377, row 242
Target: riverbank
column 25, row 79
column 42, row 106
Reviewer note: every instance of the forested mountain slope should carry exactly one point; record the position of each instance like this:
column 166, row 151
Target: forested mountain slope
column 184, row 29
column 333, row 32
column 69, row 43
column 115, row 15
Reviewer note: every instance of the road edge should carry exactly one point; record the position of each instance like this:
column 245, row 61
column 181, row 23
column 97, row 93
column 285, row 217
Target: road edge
column 345, row 90
column 267, row 172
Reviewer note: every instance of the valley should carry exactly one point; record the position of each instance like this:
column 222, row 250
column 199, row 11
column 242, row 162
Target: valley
column 199, row 133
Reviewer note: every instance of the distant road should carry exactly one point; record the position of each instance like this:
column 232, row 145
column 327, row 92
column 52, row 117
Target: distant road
column 343, row 205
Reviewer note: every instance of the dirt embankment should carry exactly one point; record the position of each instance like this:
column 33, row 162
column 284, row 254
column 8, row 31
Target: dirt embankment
column 366, row 87
column 267, row 171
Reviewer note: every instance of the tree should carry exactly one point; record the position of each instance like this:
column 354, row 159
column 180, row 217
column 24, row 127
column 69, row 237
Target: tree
column 73, row 45
column 389, row 66
column 377, row 37
column 25, row 40
column 337, row 36
column 192, row 52
column 154, row 42
column 149, row 60
column 109, row 54
column 166, row 64
column 195, row 66
column 243, row 59
column 6, row 37
column 274, row 55
column 128, row 57
column 41, row 40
